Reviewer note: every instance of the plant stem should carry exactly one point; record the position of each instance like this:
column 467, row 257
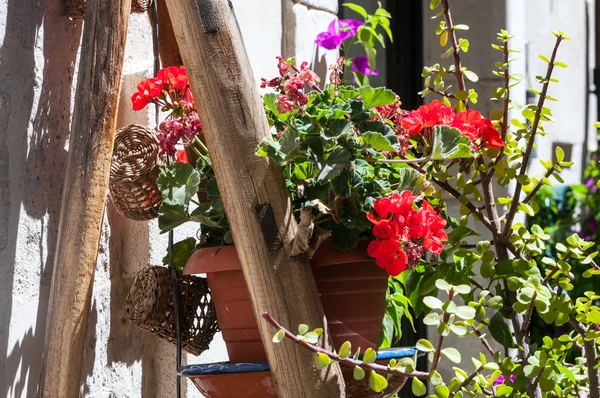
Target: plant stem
column 453, row 42
column 344, row 361
column 529, row 313
column 536, row 123
column 485, row 343
column 504, row 128
column 467, row 380
column 391, row 161
column 438, row 350
column 199, row 142
column 537, row 187
column 590, row 357
column 440, row 93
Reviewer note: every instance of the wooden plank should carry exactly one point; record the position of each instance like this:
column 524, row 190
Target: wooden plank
column 253, row 190
column 84, row 193
column 167, row 44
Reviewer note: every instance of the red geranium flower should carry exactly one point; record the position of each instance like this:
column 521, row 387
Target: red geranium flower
column 489, row 135
column 148, row 90
column 404, row 233
column 175, row 77
column 181, row 156
column 468, row 122
column 427, row 116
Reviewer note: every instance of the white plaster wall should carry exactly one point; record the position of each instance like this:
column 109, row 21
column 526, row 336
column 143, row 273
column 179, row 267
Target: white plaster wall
column 38, row 63
column 572, row 92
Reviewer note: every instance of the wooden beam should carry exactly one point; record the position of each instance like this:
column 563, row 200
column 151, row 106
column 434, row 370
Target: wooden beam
column 253, row 190
column 167, row 44
column 84, row 193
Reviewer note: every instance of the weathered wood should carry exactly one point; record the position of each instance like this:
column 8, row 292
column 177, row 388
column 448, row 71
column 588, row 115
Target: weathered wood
column 167, row 44
column 84, row 193
column 234, row 122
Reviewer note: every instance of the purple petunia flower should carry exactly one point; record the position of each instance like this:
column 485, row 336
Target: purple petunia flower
column 501, row 379
column 338, row 31
column 361, row 65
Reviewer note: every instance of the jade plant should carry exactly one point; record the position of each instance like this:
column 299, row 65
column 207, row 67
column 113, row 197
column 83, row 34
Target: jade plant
column 484, row 290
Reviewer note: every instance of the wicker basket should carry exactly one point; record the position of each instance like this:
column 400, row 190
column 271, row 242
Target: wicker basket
column 150, row 307
column 76, row 8
column 133, row 172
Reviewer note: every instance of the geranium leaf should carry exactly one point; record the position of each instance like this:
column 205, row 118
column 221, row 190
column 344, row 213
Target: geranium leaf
column 373, row 97
column 378, row 142
column 412, row 180
column 449, row 143
column 182, row 252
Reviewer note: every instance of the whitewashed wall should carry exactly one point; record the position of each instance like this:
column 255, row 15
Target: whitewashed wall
column 38, row 67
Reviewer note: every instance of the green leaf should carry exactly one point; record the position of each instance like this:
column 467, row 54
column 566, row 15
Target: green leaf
column 370, row 356
column 436, row 378
column 560, row 154
column 442, row 285
column 500, row 331
column 433, row 5
column 449, row 143
column 311, row 337
column 373, row 97
column 343, row 238
column 345, row 350
column 336, row 161
column 424, row 345
column 462, row 289
column 178, row 183
column 465, row 312
column 472, row 76
column 412, row 180
column 418, row 388
column 270, row 148
column 304, row 171
column 322, row 361
column 432, row 302
column 279, row 336
column 452, row 354
column 378, row 142
column 359, row 373
column 341, row 184
column 442, row 391
column 377, row 382
column 182, row 251
column 527, row 209
column 356, row 8
column 302, row 329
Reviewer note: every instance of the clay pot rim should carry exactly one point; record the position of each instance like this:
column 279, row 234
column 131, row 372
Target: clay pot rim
column 232, row 368
column 225, row 258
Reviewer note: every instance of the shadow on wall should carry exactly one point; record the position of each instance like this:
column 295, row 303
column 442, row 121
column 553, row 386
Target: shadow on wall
column 31, row 173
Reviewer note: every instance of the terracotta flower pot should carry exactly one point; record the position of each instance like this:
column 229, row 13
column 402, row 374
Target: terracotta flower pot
column 351, row 285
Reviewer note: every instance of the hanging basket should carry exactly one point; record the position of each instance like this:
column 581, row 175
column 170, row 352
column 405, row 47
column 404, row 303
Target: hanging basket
column 76, row 8
column 133, row 172
column 150, row 307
